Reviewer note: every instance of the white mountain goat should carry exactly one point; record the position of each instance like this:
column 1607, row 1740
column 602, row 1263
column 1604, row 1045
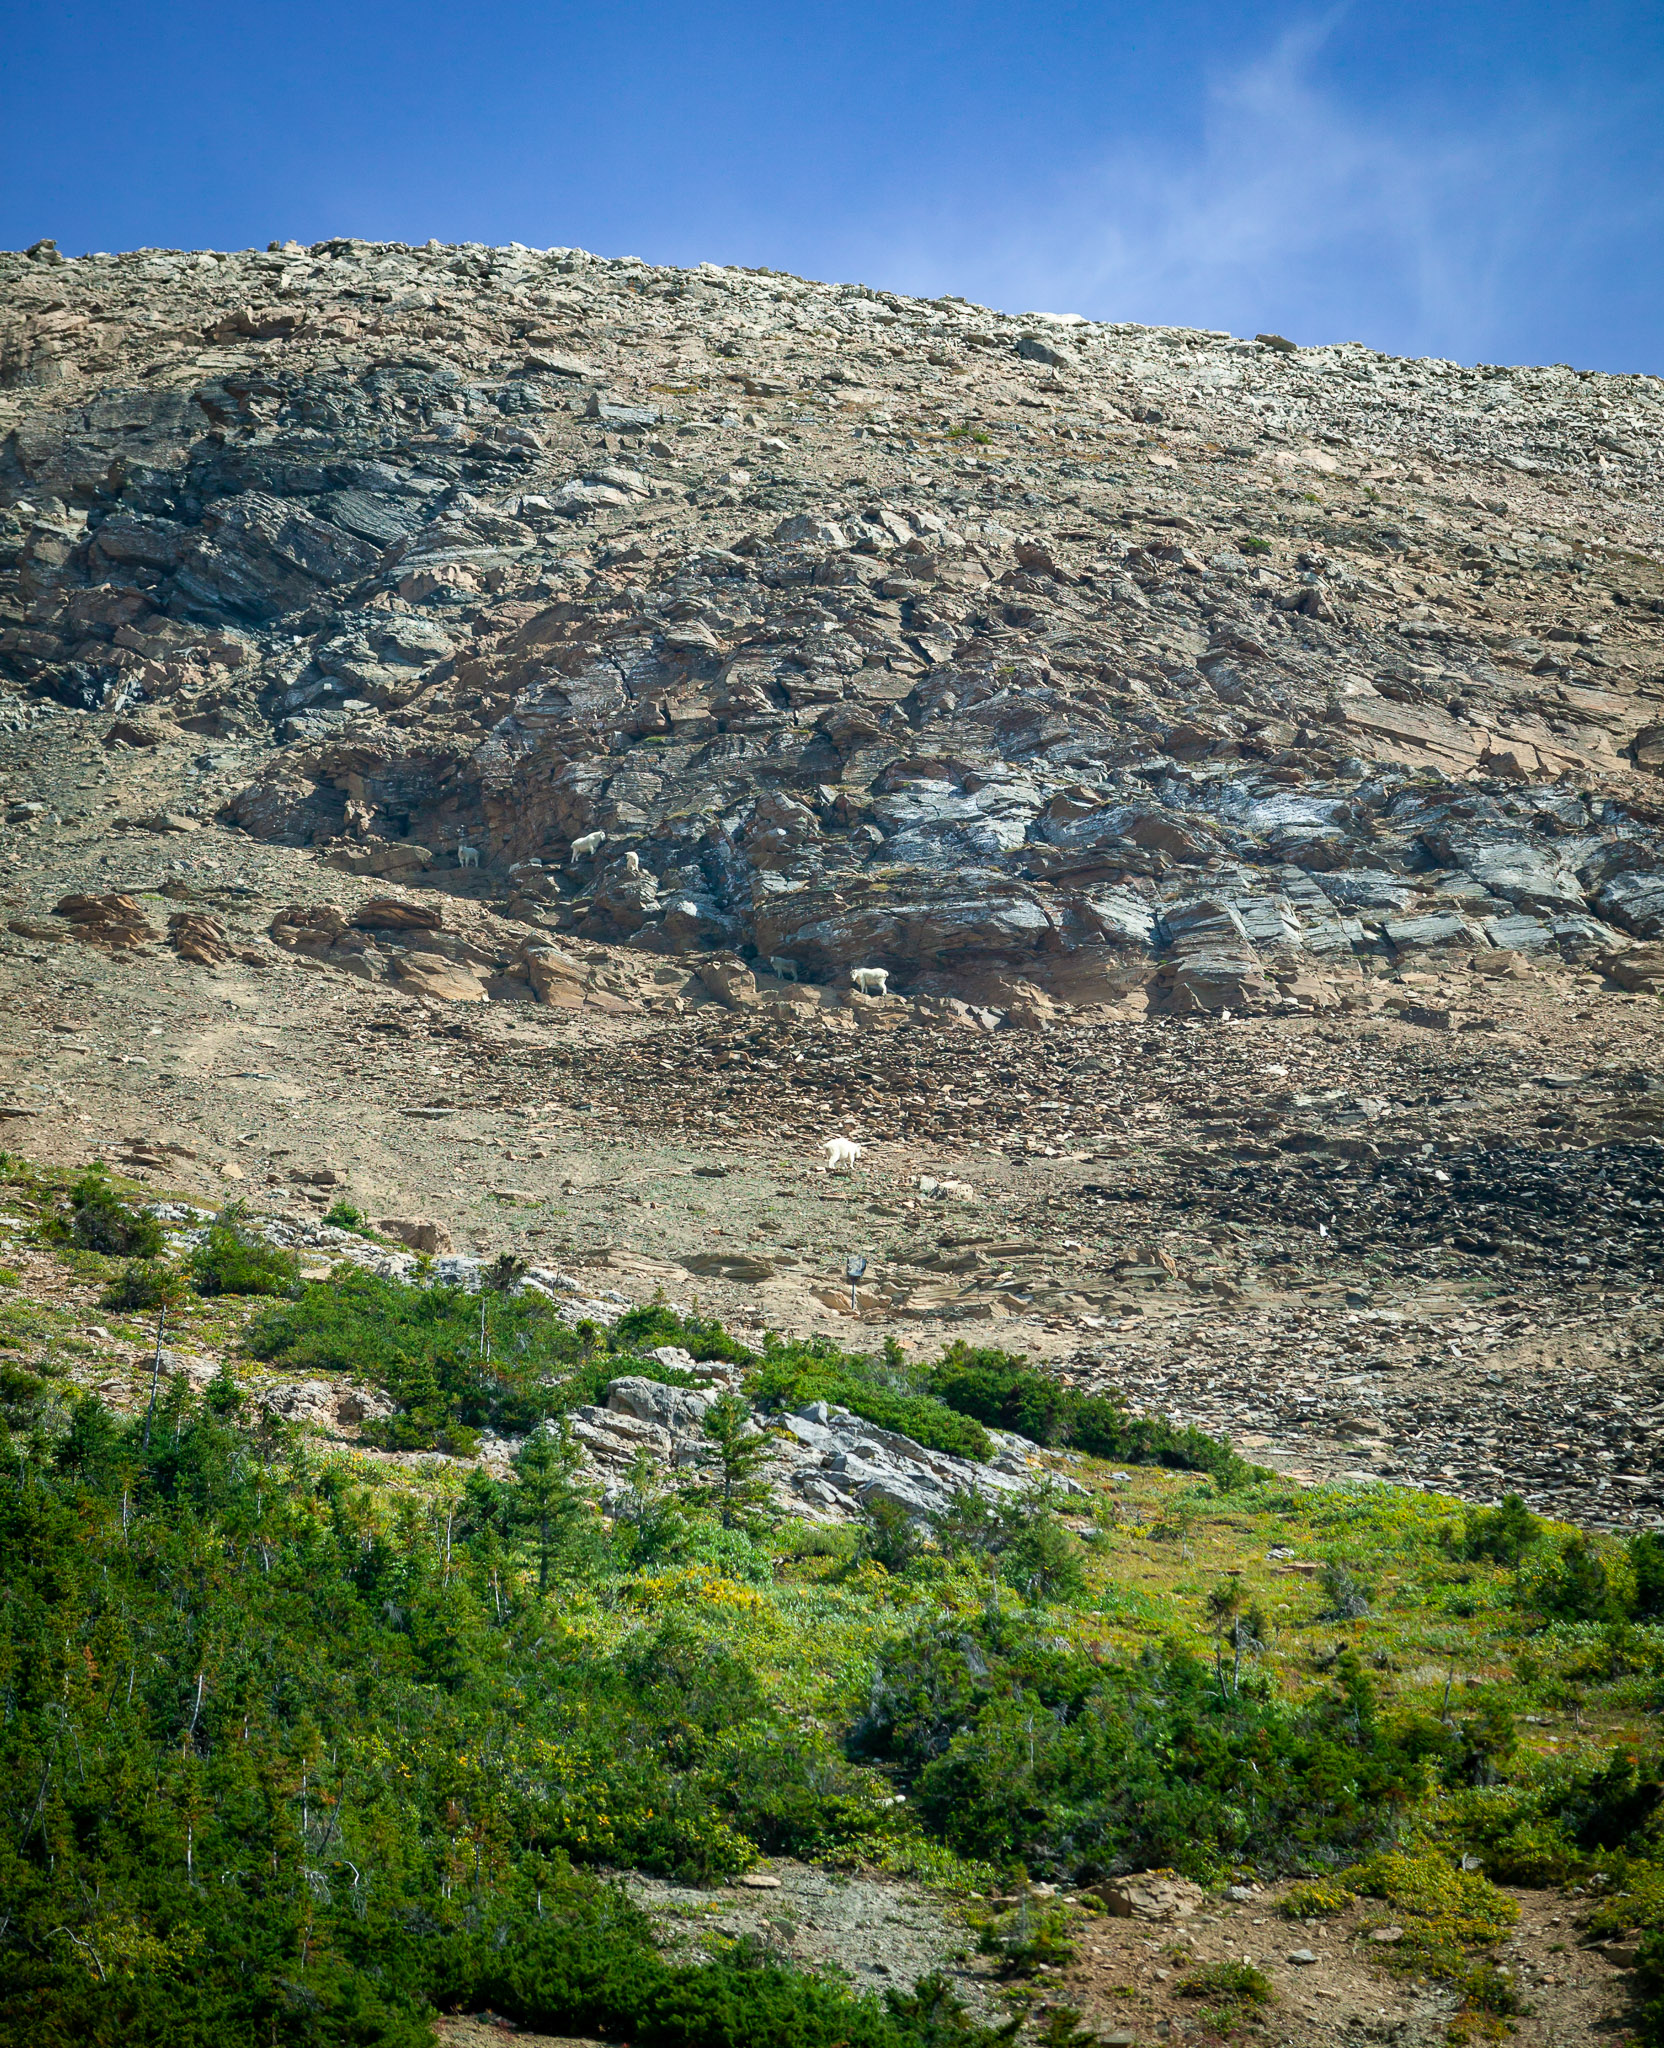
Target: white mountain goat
column 584, row 847
column 841, row 1155
column 871, row 981
column 781, row 968
column 467, row 856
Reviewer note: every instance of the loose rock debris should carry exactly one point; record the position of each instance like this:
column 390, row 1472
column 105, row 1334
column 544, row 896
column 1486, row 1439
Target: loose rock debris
column 552, row 740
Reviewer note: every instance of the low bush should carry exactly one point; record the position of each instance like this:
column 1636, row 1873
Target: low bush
column 1347, row 1595
column 1005, row 1392
column 451, row 1360
column 232, row 1259
column 890, row 1537
column 1566, row 1817
column 656, row 1323
column 1021, row 1539
column 793, row 1374
column 1229, row 1983
column 1500, row 1535
column 100, row 1221
column 142, row 1284
column 1016, row 1748
column 1316, row 1901
column 1028, row 1934
column 1571, row 1583
column 1646, row 1564
column 1446, row 1912
column 604, row 1978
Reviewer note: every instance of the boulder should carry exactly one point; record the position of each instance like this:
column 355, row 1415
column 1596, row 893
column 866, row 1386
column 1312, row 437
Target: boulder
column 200, row 939
column 431, row 974
column 304, row 929
column 115, row 921
column 730, row 981
column 140, row 728
column 385, row 859
column 1210, row 964
column 395, row 914
column 417, row 1232
column 1151, row 1895
column 678, row 1410
column 556, row 977
column 320, row 1404
column 1640, row 969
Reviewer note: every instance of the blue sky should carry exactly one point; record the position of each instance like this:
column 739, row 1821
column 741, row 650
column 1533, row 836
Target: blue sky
column 1481, row 181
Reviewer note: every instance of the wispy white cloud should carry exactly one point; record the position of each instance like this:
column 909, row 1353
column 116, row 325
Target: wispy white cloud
column 1423, row 231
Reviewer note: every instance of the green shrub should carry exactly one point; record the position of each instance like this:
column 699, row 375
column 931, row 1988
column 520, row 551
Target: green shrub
column 344, row 1215
column 1501, row 1535
column 1445, row 1912
column 1016, row 1748
column 1028, row 1934
column 794, row 1374
column 808, row 1540
column 1319, row 1900
column 1574, row 1583
column 889, row 1535
column 19, row 1393
column 1043, row 1561
column 100, row 1221
column 1004, row 1392
column 1230, row 1983
column 1646, row 1564
column 1347, row 1595
column 233, row 1260
column 655, row 1323
column 591, row 1971
column 1478, row 1744
column 1021, row 1538
column 142, row 1284
column 1617, row 1804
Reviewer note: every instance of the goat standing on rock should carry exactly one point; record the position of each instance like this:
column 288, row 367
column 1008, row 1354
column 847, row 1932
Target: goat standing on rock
column 841, row 1155
column 870, row 981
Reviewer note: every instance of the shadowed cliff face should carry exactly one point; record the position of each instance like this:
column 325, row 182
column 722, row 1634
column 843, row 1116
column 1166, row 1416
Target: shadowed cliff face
column 717, row 610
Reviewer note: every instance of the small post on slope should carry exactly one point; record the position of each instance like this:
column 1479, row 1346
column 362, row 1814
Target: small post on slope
column 854, row 1267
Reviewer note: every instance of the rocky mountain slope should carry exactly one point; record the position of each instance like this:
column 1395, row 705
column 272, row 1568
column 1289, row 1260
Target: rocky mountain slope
column 1241, row 761
column 991, row 651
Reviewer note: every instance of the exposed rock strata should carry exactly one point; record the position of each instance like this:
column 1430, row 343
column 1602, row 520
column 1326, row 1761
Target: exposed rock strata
column 866, row 630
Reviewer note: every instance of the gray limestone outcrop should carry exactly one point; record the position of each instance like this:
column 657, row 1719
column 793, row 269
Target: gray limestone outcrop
column 863, row 630
column 825, row 1463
